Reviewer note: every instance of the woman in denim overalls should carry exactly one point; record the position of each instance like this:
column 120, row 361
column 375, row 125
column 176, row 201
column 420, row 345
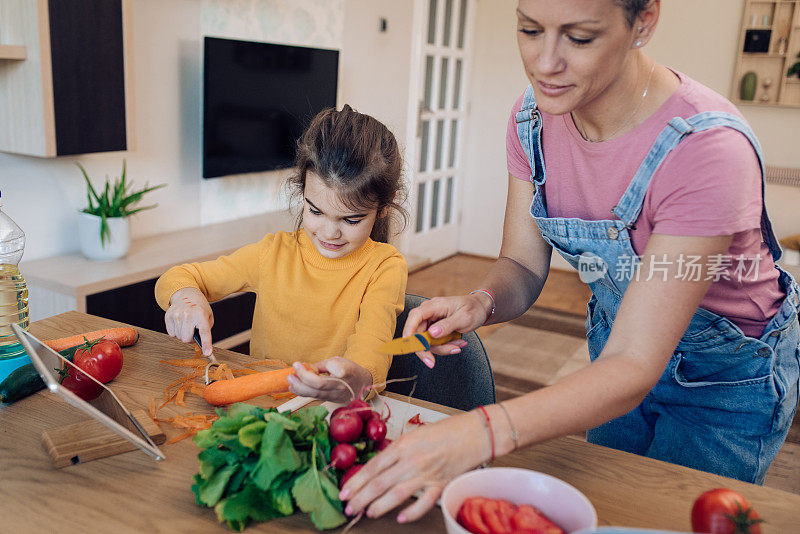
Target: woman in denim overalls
column 668, row 379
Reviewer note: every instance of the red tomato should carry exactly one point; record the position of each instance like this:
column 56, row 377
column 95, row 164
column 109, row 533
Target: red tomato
column 530, row 520
column 724, row 511
column 81, row 385
column 497, row 513
column 469, row 516
column 102, row 360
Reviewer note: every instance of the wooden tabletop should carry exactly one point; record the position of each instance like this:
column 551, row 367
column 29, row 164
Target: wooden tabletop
column 132, row 493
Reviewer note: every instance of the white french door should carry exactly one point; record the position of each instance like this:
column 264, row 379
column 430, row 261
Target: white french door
column 442, row 113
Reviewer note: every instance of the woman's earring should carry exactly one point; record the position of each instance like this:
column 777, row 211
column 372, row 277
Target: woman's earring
column 638, row 42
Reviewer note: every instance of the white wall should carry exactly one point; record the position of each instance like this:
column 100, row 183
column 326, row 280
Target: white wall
column 44, row 195
column 496, row 81
column 697, row 38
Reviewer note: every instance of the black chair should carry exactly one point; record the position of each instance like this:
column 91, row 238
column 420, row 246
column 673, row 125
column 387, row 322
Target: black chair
column 463, row 381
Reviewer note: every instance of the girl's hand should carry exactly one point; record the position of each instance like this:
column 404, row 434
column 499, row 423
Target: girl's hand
column 421, row 460
column 189, row 310
column 443, row 315
column 306, row 383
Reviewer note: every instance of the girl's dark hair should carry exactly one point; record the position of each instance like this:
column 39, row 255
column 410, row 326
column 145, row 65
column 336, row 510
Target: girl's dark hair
column 358, row 157
column 632, row 8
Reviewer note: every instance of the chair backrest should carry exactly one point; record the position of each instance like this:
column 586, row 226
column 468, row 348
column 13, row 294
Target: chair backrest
column 463, row 381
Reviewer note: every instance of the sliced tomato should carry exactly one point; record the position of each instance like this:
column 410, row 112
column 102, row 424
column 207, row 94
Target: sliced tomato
column 497, row 513
column 530, row 520
column 469, row 516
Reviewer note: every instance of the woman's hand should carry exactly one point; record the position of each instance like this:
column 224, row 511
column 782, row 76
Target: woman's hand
column 189, row 310
column 421, row 460
column 443, row 315
column 306, row 383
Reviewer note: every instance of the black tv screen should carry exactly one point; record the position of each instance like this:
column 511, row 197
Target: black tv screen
column 257, row 99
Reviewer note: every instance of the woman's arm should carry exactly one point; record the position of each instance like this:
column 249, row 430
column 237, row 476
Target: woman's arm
column 515, row 280
column 653, row 316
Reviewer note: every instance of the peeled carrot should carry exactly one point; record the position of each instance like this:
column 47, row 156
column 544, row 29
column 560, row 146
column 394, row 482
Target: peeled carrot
column 246, row 387
column 124, row 336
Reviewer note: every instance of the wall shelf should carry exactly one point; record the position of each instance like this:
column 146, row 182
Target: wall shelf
column 65, row 77
column 780, row 21
column 13, row 52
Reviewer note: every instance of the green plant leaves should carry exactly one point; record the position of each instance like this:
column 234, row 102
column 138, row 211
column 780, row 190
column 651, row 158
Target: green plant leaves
column 258, row 465
column 312, row 491
column 115, row 201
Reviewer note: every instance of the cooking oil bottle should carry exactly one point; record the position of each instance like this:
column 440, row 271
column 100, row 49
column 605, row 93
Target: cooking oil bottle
column 13, row 295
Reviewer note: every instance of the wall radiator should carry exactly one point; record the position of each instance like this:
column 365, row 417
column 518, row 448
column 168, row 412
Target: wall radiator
column 783, row 176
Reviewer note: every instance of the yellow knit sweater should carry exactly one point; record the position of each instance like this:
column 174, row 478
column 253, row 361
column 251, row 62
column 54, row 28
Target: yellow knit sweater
column 308, row 307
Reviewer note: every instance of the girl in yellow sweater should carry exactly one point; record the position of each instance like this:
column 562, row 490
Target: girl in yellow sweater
column 330, row 292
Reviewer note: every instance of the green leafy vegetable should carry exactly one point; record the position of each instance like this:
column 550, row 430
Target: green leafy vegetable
column 258, row 465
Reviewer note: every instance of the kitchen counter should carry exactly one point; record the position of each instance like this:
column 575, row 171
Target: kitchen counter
column 132, row 493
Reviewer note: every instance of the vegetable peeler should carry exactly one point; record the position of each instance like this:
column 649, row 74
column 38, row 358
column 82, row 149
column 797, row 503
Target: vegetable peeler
column 415, row 342
column 212, row 359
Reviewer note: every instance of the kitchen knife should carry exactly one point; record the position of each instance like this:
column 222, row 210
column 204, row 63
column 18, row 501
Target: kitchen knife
column 415, row 343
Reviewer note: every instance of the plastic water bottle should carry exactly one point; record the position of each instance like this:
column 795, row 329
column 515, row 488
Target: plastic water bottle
column 13, row 295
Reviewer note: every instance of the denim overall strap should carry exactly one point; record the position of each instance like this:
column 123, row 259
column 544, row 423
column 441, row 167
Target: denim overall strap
column 630, row 205
column 529, row 131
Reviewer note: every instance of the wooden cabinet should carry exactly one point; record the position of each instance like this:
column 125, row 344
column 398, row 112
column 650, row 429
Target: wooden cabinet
column 769, row 45
column 65, row 76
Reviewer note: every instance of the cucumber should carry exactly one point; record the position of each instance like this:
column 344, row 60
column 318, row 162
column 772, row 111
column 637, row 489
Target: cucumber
column 25, row 380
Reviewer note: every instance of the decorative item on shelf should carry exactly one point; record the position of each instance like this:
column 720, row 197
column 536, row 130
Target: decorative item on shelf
column 756, row 41
column 766, row 84
column 794, row 70
column 782, row 45
column 104, row 228
column 747, row 89
column 765, row 20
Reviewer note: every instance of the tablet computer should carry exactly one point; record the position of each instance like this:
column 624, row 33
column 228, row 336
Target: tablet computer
column 47, row 362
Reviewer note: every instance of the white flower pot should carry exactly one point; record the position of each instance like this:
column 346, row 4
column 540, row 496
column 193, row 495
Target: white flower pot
column 89, row 235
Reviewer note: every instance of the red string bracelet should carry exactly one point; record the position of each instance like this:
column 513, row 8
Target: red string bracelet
column 489, row 426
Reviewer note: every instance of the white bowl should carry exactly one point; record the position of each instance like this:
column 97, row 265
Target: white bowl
column 562, row 503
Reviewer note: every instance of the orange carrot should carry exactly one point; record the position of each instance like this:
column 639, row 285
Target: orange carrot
column 246, row 387
column 123, row 336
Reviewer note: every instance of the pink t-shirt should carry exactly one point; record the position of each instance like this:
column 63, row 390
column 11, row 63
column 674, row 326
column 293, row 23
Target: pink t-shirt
column 710, row 184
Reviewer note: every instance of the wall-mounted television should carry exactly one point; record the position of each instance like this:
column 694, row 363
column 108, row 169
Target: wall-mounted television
column 257, row 99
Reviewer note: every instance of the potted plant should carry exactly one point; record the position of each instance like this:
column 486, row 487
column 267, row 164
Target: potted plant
column 794, row 69
column 104, row 229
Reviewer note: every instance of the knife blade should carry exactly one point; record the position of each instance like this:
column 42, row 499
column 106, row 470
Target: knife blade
column 415, row 343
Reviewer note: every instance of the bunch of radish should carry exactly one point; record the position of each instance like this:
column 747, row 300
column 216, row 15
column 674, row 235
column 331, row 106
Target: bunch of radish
column 360, row 433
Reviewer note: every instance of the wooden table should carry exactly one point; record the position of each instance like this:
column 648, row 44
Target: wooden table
column 132, row 493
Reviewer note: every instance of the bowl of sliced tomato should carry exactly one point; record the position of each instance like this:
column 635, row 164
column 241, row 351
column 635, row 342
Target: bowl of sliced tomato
column 507, row 499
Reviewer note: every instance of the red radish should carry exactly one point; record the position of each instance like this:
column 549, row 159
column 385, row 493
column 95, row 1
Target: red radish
column 382, row 444
column 346, row 426
column 361, row 408
column 350, row 472
column 376, row 429
column 343, row 456
column 337, row 410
